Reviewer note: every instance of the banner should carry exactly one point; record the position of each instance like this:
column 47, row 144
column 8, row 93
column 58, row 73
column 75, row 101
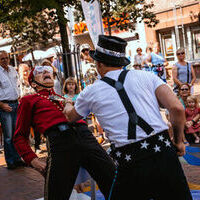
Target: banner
column 93, row 19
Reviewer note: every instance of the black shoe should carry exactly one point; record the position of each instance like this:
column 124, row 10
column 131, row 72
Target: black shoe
column 11, row 166
column 20, row 163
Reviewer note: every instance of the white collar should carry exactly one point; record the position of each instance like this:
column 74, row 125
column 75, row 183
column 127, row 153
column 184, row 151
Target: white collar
column 111, row 73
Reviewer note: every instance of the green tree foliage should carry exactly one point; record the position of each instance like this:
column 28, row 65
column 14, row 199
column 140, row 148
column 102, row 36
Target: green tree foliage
column 32, row 22
column 29, row 32
column 123, row 14
column 26, row 24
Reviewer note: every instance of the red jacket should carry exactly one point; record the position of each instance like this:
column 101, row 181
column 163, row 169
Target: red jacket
column 39, row 113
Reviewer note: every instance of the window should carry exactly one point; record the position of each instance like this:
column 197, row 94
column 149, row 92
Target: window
column 167, row 42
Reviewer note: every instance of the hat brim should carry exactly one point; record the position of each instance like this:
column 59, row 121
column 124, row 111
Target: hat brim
column 109, row 60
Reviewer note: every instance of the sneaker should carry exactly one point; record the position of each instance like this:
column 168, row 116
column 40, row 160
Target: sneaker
column 11, row 166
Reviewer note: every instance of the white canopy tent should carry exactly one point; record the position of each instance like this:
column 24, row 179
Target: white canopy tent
column 38, row 54
column 53, row 51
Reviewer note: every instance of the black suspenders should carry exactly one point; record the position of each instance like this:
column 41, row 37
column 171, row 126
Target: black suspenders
column 134, row 119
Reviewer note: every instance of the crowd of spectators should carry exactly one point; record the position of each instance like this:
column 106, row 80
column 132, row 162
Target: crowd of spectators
column 184, row 77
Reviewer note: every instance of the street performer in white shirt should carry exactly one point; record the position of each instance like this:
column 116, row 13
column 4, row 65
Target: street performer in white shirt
column 126, row 104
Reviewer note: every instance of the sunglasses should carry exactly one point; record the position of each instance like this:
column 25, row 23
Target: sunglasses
column 41, row 69
column 181, row 53
column 184, row 89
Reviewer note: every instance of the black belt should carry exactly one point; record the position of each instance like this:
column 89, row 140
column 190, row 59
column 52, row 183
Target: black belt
column 56, row 129
column 127, row 154
column 60, row 127
column 10, row 101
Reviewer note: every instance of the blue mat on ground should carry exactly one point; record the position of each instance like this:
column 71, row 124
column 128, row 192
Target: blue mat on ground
column 195, row 194
column 190, row 149
column 192, row 160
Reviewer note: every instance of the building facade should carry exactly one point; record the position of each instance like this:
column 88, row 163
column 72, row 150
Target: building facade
column 179, row 26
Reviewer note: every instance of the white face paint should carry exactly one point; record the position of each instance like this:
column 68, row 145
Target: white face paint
column 44, row 75
column 42, row 69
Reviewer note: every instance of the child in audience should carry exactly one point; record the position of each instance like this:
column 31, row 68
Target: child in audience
column 192, row 111
column 70, row 89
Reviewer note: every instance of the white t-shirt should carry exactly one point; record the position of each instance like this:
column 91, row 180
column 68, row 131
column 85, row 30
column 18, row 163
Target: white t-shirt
column 104, row 101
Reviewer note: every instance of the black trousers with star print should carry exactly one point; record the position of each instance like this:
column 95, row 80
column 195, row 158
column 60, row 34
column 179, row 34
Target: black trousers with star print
column 68, row 151
column 157, row 177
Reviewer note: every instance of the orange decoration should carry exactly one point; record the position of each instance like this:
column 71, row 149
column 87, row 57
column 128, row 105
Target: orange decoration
column 82, row 27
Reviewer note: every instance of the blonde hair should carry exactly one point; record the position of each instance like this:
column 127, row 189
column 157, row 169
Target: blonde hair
column 180, row 50
column 194, row 99
column 70, row 80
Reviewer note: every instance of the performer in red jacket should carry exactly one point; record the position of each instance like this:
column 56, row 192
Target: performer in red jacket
column 69, row 145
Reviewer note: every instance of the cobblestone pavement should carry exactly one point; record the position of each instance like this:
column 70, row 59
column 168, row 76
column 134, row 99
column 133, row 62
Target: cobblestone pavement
column 23, row 183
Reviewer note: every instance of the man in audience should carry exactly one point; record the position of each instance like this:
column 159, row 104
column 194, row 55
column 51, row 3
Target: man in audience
column 9, row 94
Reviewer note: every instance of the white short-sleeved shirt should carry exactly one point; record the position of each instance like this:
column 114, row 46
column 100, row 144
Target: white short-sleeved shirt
column 104, row 101
column 9, row 84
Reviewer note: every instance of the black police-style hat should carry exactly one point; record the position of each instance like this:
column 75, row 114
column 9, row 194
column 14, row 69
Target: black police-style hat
column 110, row 50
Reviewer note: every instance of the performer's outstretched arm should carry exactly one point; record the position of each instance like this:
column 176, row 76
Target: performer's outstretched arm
column 22, row 132
column 21, row 136
column 177, row 115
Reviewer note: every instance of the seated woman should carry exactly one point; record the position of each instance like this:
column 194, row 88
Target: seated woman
column 183, row 93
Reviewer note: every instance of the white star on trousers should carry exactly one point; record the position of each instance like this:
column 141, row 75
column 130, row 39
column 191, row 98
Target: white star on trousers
column 144, row 145
column 128, row 157
column 167, row 143
column 161, row 138
column 157, row 148
column 118, row 154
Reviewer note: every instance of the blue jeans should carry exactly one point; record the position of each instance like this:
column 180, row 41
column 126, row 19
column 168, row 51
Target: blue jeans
column 8, row 122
